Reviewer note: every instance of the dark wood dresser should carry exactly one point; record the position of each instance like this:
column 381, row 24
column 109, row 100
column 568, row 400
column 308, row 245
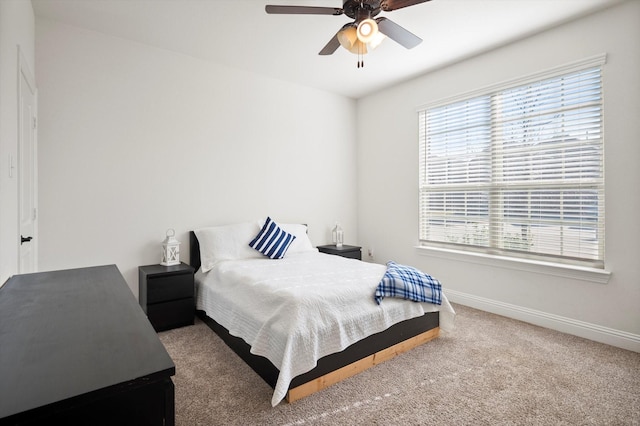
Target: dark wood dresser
column 76, row 348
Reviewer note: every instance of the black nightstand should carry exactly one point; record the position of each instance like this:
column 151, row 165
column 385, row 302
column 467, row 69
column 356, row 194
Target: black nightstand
column 353, row 252
column 166, row 294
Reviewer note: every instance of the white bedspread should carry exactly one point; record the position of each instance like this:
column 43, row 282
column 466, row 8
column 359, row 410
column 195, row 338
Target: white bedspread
column 295, row 310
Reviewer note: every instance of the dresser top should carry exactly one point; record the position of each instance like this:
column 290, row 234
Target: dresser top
column 68, row 333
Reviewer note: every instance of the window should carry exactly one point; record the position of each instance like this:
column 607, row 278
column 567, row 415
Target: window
column 517, row 170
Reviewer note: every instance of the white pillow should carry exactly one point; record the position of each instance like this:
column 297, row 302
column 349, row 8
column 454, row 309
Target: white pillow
column 229, row 242
column 302, row 242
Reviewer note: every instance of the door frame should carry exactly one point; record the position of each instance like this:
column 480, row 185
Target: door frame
column 25, row 74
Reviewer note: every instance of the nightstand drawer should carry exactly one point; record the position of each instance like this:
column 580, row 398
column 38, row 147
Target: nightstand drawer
column 353, row 252
column 167, row 315
column 169, row 287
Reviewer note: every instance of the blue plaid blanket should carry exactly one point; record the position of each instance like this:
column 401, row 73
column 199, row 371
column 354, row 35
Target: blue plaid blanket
column 408, row 283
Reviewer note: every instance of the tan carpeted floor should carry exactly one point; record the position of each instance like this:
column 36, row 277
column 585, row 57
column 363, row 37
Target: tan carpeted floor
column 490, row 370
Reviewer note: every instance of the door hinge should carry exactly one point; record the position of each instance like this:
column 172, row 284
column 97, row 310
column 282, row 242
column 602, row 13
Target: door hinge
column 35, row 123
column 35, row 213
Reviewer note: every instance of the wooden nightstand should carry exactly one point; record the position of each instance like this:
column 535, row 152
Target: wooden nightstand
column 353, row 252
column 166, row 294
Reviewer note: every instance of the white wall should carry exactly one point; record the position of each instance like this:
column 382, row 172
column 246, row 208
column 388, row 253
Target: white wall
column 134, row 140
column 388, row 180
column 16, row 29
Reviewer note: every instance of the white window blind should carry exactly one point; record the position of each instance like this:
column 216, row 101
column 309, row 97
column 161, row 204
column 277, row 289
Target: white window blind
column 517, row 171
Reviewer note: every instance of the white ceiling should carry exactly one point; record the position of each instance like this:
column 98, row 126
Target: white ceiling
column 240, row 34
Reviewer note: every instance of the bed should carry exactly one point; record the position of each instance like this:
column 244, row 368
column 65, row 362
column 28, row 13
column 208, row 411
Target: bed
column 306, row 320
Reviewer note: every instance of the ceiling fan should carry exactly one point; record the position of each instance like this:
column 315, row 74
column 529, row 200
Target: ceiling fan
column 365, row 32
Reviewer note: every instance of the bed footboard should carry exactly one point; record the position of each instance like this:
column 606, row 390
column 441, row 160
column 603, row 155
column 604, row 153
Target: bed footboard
column 359, row 366
column 333, row 368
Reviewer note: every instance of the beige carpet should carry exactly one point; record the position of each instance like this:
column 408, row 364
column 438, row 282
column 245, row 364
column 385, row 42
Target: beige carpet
column 490, row 370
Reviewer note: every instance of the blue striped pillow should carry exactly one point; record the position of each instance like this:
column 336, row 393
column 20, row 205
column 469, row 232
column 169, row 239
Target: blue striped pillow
column 272, row 241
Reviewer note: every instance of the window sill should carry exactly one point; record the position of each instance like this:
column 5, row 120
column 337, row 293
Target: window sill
column 595, row 275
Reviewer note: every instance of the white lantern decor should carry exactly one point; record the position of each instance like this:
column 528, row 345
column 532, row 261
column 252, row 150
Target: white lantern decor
column 338, row 236
column 170, row 249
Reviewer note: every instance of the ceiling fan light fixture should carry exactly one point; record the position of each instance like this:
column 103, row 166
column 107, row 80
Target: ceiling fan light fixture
column 348, row 39
column 367, row 30
column 377, row 39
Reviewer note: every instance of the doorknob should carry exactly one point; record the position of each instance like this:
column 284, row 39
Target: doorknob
column 25, row 239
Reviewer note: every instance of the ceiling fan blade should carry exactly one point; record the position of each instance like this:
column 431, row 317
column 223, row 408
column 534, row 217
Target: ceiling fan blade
column 398, row 34
column 303, row 10
column 331, row 47
column 389, row 5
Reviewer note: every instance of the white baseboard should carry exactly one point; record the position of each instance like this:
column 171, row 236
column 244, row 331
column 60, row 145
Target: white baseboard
column 609, row 336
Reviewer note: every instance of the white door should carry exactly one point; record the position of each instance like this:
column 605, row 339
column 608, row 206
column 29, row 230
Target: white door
column 27, row 170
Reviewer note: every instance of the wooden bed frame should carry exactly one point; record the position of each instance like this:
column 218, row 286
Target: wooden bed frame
column 333, row 368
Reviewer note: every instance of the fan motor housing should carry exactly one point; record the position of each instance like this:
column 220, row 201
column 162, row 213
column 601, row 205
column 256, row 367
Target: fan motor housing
column 360, row 10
